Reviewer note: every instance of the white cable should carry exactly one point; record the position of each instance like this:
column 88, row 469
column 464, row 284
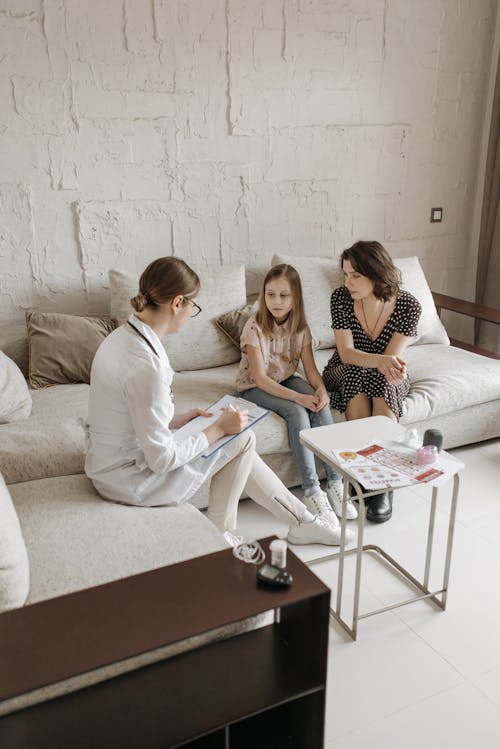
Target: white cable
column 250, row 552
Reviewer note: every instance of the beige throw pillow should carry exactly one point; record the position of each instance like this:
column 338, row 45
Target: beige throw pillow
column 201, row 344
column 15, row 398
column 62, row 347
column 14, row 565
column 320, row 275
column 232, row 323
column 430, row 329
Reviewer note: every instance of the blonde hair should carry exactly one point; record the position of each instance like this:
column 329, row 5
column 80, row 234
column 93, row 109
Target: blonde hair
column 163, row 280
column 297, row 314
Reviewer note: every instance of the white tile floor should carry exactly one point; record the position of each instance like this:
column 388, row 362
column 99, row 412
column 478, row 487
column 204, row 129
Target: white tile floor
column 418, row 676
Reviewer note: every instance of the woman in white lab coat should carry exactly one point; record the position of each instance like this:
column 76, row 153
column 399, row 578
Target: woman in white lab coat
column 133, row 453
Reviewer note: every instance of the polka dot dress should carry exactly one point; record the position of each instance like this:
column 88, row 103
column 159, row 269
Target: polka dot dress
column 344, row 381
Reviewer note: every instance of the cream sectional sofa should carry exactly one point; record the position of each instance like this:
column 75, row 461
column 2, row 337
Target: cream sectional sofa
column 42, row 456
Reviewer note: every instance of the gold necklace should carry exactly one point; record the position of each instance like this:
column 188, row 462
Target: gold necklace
column 371, row 330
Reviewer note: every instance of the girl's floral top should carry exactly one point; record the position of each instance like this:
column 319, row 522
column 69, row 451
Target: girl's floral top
column 280, row 351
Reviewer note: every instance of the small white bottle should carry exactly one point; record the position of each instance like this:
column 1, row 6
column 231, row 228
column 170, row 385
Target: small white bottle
column 278, row 553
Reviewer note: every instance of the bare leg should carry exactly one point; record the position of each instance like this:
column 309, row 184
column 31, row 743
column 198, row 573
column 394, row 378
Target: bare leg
column 359, row 407
column 380, row 408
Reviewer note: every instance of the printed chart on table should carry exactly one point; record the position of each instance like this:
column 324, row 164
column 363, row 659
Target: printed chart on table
column 380, row 466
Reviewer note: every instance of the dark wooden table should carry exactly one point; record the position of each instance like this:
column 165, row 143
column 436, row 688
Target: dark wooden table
column 262, row 688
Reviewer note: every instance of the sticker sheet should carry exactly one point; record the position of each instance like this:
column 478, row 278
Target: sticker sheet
column 379, row 467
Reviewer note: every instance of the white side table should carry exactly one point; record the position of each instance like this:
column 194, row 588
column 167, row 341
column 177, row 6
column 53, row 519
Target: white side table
column 356, row 434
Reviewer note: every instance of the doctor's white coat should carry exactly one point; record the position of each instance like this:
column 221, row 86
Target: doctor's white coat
column 132, row 455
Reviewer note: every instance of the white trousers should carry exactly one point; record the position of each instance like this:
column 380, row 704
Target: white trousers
column 244, row 470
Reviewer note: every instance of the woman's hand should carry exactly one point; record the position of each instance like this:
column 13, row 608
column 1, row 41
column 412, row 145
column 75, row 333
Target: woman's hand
column 196, row 412
column 232, row 422
column 393, row 368
column 180, row 420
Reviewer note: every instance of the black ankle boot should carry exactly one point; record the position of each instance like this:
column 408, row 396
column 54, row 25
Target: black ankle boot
column 380, row 507
column 354, row 495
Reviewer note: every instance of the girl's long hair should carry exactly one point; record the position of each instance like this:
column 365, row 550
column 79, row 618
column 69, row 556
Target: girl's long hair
column 372, row 260
column 163, row 280
column 297, row 315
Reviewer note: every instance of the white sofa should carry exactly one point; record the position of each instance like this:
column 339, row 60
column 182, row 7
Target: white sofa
column 42, row 457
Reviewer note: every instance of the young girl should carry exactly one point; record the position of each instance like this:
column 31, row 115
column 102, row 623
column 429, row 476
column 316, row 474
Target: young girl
column 273, row 342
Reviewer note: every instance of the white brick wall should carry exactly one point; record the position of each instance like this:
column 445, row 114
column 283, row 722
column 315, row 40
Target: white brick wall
column 225, row 130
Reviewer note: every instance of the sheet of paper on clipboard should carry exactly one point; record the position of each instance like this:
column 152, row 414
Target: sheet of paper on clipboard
column 199, row 423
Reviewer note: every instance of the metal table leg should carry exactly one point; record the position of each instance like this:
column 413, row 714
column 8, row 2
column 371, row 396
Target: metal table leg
column 360, row 548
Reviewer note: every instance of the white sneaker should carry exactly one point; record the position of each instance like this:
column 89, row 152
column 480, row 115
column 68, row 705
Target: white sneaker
column 335, row 494
column 232, row 540
column 319, row 505
column 318, row 531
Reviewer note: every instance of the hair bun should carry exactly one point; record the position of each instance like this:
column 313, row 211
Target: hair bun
column 139, row 302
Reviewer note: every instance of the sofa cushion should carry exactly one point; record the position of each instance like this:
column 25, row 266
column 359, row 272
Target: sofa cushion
column 52, row 441
column 14, row 567
column 62, row 347
column 443, row 380
column 430, row 328
column 202, row 344
column 76, row 539
column 15, row 399
column 320, row 275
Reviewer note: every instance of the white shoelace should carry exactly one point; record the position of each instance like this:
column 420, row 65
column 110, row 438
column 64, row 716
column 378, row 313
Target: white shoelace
column 320, row 501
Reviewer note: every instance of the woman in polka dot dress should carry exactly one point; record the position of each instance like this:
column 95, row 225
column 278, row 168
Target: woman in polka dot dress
column 373, row 320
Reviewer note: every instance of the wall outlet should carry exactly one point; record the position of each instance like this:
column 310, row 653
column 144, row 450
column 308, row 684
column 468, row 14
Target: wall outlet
column 436, row 215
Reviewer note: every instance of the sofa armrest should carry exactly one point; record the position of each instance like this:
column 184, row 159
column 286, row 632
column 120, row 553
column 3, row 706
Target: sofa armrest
column 470, row 309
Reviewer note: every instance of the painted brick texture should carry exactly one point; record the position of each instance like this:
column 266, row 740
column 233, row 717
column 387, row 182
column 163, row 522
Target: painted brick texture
column 223, row 131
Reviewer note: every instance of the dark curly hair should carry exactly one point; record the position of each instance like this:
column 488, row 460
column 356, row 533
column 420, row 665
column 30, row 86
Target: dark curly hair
column 372, row 260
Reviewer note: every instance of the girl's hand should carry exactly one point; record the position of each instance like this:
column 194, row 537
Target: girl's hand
column 308, row 401
column 322, row 398
column 232, row 422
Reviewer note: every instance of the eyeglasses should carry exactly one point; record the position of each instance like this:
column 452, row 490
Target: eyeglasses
column 196, row 307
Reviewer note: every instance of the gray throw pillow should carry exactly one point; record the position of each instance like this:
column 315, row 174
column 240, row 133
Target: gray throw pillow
column 62, row 347
column 232, row 323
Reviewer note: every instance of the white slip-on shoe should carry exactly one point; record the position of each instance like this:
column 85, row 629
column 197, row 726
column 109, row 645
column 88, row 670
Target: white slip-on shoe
column 335, row 494
column 318, row 531
column 319, row 505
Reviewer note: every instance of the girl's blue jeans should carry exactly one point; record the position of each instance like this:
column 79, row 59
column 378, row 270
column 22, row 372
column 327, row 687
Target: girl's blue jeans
column 297, row 417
